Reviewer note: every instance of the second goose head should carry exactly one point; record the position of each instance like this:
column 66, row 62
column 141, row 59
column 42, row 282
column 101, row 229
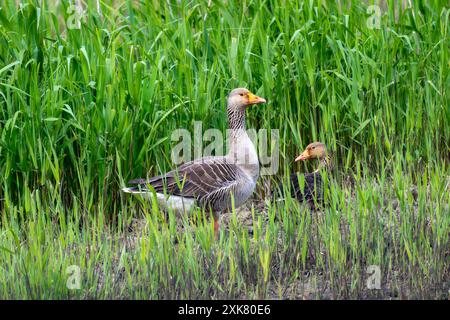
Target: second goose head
column 317, row 150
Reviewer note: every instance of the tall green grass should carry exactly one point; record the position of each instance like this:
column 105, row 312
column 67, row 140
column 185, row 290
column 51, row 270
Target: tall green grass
column 84, row 110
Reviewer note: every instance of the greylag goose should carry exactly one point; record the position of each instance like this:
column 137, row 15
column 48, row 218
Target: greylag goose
column 211, row 182
column 312, row 192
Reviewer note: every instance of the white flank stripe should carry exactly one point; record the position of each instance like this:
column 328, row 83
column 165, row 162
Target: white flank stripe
column 175, row 203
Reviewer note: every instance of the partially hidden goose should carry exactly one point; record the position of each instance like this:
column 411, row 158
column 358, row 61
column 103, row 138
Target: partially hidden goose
column 312, row 190
column 211, row 182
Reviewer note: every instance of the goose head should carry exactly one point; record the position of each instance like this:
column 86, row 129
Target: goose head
column 240, row 98
column 315, row 150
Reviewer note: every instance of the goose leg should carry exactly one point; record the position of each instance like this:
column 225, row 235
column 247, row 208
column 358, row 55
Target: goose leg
column 216, row 226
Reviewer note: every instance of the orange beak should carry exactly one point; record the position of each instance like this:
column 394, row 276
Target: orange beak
column 254, row 99
column 302, row 157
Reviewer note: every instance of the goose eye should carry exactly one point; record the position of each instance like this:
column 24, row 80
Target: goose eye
column 241, row 94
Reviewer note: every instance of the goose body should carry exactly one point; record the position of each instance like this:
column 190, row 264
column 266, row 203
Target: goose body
column 206, row 182
column 312, row 190
column 211, row 182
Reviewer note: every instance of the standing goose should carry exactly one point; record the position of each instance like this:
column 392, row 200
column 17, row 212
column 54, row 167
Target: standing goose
column 312, row 191
column 211, row 182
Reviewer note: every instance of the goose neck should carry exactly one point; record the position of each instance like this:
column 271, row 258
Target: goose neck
column 236, row 118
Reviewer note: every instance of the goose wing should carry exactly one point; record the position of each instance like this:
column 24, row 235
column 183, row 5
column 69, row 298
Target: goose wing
column 312, row 188
column 194, row 179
